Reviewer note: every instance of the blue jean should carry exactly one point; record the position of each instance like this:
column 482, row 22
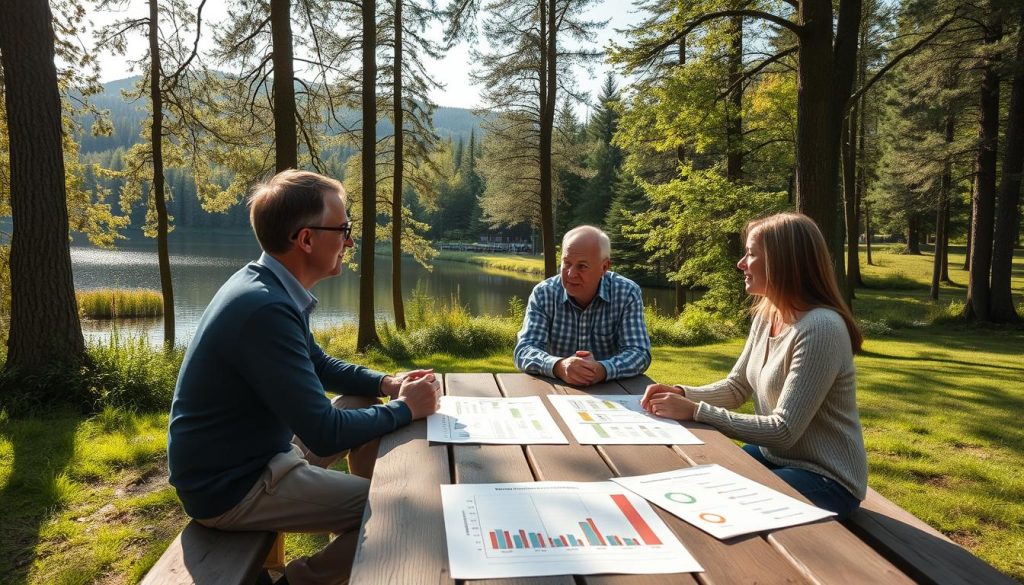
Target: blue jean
column 820, row 490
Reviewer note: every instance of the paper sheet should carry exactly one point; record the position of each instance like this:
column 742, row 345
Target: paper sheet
column 612, row 419
column 721, row 502
column 556, row 528
column 514, row 421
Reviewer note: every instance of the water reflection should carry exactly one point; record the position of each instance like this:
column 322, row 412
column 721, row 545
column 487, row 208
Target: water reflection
column 202, row 261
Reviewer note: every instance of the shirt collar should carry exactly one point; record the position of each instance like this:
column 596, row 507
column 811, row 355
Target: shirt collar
column 603, row 290
column 303, row 299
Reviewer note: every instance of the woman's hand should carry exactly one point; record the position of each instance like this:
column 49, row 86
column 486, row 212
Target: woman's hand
column 674, row 406
column 654, row 390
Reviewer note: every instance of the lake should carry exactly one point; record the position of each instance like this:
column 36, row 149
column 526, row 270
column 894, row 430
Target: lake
column 202, row 261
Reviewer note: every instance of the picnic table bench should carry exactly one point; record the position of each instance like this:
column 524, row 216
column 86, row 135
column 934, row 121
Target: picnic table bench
column 402, row 538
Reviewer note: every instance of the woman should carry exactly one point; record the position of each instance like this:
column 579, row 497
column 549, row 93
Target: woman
column 797, row 365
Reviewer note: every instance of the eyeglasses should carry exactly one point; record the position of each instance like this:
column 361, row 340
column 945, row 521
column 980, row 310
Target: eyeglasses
column 346, row 230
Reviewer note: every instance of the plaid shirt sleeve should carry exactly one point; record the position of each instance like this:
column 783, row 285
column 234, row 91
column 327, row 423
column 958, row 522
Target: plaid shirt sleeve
column 531, row 354
column 634, row 351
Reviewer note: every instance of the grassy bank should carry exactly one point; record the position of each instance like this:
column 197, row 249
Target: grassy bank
column 527, row 265
column 85, row 498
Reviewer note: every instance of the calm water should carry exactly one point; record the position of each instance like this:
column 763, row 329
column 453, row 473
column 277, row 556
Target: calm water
column 201, row 262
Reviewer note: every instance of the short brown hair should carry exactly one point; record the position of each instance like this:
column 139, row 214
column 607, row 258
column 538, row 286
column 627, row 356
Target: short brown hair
column 799, row 270
column 284, row 203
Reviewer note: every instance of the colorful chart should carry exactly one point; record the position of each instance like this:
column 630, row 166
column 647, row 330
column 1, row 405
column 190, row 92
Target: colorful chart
column 617, row 420
column 721, row 502
column 556, row 528
column 516, row 421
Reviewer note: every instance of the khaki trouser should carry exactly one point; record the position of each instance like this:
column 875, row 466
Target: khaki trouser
column 296, row 493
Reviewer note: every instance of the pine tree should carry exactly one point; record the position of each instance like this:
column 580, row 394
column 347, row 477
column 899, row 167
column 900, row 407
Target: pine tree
column 527, row 62
column 604, row 160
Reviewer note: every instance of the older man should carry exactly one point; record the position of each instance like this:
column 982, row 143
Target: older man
column 253, row 380
column 585, row 325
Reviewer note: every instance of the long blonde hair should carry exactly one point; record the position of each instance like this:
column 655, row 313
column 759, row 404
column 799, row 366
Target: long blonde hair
column 799, row 271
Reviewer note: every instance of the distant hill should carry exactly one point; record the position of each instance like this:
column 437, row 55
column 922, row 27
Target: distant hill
column 127, row 116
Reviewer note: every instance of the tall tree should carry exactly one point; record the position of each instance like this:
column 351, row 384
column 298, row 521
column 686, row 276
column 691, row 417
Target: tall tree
column 151, row 154
column 367, row 332
column 605, row 158
column 527, row 64
column 45, row 329
column 979, row 297
column 412, row 113
column 826, row 48
column 1007, row 226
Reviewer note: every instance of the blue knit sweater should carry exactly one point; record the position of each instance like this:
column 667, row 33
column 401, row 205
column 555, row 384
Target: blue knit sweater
column 252, row 377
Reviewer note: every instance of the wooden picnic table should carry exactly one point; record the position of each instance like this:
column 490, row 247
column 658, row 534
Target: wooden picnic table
column 402, row 539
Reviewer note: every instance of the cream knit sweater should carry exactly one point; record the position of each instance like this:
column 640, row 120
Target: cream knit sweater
column 804, row 388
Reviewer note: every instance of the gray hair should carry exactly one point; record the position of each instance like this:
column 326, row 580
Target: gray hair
column 588, row 230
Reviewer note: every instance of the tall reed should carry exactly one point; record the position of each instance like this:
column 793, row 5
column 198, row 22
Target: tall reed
column 113, row 303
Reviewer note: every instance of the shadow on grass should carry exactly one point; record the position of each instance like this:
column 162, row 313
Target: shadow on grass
column 43, row 448
column 904, row 358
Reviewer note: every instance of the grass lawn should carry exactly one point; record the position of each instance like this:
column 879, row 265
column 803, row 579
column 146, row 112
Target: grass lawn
column 85, row 500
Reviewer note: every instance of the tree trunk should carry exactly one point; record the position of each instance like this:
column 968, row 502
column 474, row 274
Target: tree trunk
column 861, row 192
column 946, row 195
column 979, row 298
column 159, row 191
column 286, row 144
column 867, row 231
column 547, row 125
column 1008, row 217
column 825, row 82
column 396, row 196
column 367, row 332
column 940, row 226
column 44, row 330
column 849, row 146
column 944, row 276
column 914, row 234
column 970, row 222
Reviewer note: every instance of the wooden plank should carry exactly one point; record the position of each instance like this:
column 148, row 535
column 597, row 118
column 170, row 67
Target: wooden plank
column 845, row 559
column 398, row 541
column 925, row 553
column 491, row 463
column 204, row 556
column 574, row 462
column 275, row 558
column 746, row 559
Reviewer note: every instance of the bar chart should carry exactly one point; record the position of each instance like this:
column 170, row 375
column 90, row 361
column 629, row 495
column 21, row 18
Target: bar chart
column 551, row 528
column 589, row 534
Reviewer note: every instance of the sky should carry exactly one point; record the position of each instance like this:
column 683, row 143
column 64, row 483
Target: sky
column 452, row 71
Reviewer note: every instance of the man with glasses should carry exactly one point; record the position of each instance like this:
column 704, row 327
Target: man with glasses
column 251, row 430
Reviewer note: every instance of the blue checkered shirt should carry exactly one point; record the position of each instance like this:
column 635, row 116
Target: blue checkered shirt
column 611, row 327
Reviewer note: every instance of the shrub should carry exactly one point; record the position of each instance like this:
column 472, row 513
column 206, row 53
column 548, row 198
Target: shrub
column 895, row 280
column 120, row 303
column 875, row 328
column 695, row 326
column 950, row 314
column 132, row 375
column 433, row 328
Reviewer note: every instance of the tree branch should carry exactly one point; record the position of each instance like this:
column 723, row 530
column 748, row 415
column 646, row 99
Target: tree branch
column 688, row 27
column 755, row 70
column 910, row 51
